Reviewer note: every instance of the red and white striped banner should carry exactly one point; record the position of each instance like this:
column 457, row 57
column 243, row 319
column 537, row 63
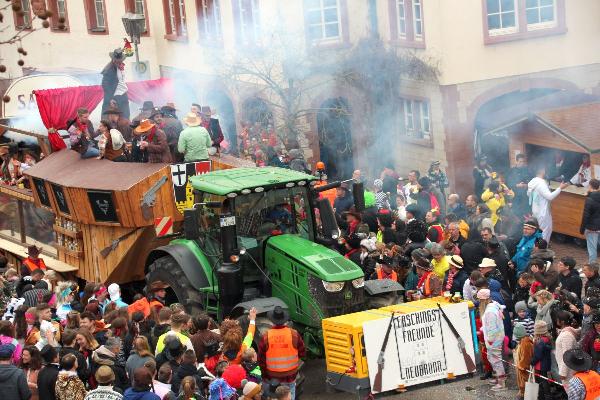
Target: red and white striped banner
column 163, row 226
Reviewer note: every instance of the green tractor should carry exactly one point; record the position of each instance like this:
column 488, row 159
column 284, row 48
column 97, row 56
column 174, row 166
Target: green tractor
column 253, row 240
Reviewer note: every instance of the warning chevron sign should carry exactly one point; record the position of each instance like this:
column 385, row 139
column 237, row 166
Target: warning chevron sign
column 163, row 226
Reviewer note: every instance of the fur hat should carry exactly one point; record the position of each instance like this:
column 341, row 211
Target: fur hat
column 105, row 375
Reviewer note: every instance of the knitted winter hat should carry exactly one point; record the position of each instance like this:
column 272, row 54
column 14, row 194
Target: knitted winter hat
column 483, row 294
column 519, row 331
column 540, row 328
column 251, row 389
column 520, row 306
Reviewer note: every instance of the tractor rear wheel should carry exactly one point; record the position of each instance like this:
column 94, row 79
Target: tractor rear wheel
column 167, row 270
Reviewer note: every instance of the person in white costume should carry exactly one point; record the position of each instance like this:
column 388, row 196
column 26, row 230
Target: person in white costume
column 540, row 197
column 584, row 174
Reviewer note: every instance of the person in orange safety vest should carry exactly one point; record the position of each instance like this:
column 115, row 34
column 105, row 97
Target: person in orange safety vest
column 279, row 353
column 32, row 262
column 385, row 269
column 585, row 384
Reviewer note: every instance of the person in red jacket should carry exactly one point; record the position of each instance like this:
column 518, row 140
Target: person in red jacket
column 279, row 353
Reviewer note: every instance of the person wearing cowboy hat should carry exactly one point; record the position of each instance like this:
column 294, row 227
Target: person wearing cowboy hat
column 290, row 348
column 585, row 383
column 212, row 126
column 150, row 144
column 489, row 270
column 456, row 276
column 172, row 127
column 33, row 261
column 113, row 83
column 352, row 220
column 428, row 284
column 119, row 122
column 194, row 141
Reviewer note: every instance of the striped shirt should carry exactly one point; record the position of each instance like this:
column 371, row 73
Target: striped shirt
column 527, row 322
column 576, row 389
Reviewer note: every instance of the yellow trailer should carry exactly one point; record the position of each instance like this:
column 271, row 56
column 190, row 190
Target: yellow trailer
column 345, row 351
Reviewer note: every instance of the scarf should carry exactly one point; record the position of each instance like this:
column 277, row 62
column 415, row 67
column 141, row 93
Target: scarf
column 450, row 280
column 121, row 66
column 422, row 279
column 150, row 136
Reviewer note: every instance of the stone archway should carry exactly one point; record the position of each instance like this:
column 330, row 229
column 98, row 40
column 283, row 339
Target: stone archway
column 335, row 138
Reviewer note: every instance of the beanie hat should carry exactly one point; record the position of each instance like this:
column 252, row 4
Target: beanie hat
column 519, row 331
column 483, row 294
column 540, row 328
column 378, row 184
column 520, row 306
column 251, row 389
column 105, row 375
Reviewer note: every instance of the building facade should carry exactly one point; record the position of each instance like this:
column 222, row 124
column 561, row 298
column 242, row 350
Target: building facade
column 490, row 54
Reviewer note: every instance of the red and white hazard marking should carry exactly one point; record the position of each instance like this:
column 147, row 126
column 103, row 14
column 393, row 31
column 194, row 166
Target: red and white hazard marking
column 163, row 226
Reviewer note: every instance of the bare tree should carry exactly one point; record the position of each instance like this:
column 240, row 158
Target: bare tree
column 40, row 13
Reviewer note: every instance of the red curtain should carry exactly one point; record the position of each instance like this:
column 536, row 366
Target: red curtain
column 57, row 106
column 160, row 91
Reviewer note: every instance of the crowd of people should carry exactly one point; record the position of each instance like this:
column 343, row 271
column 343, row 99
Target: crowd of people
column 491, row 249
column 65, row 342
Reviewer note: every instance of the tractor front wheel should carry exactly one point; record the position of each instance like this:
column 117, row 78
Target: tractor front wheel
column 167, row 270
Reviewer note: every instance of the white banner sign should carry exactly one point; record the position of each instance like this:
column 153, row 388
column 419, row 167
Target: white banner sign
column 421, row 346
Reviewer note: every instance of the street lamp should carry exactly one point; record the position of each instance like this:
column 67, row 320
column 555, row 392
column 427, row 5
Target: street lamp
column 134, row 26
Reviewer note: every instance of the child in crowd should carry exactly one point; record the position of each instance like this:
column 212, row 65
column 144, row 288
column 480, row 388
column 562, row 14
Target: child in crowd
column 522, row 356
column 522, row 318
column 250, row 364
column 542, row 356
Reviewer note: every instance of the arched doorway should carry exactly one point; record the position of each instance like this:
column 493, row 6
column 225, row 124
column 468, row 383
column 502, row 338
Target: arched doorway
column 219, row 101
column 335, row 138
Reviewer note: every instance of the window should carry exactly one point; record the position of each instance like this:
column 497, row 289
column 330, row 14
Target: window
column 506, row 20
column 23, row 17
column 540, row 13
column 417, row 19
column 323, row 19
column 175, row 22
column 59, row 13
column 96, row 16
column 401, row 18
column 139, row 7
column 501, row 16
column 246, row 17
column 209, row 20
column 417, row 122
column 406, row 22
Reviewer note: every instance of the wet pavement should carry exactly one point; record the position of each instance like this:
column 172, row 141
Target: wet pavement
column 463, row 388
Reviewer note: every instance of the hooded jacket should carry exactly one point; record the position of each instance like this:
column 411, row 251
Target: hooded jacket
column 13, row 383
column 524, row 248
column 540, row 196
column 69, row 386
column 492, row 325
column 591, row 213
column 103, row 356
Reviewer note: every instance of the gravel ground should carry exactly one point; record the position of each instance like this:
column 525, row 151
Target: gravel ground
column 464, row 388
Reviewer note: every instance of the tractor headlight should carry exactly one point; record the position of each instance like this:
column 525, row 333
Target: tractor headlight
column 333, row 286
column 358, row 282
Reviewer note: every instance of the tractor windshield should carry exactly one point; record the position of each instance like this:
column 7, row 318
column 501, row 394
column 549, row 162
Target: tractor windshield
column 277, row 211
